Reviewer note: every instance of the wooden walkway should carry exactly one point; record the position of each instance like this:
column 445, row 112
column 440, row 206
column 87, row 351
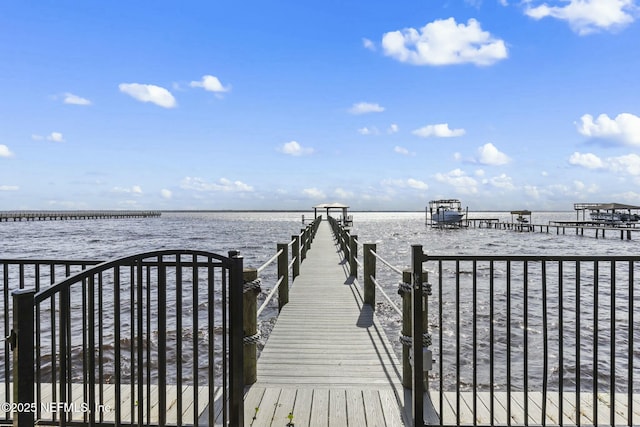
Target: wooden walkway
column 46, row 408
column 7, row 216
column 327, row 361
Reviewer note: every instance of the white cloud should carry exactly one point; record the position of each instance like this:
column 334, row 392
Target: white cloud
column 368, row 131
column 149, row 93
column 368, row 44
column 4, row 151
column 293, row 148
column 625, row 128
column 70, row 98
column 588, row 160
column 223, row 184
column 488, row 154
column 501, row 181
column 166, row 194
column 55, row 137
column 393, row 128
column 458, row 179
column 628, row 164
column 406, row 183
column 444, row 42
column 211, row 84
column 344, row 194
column 9, row 188
column 418, row 185
column 136, row 189
column 365, row 107
column 440, row 130
column 588, row 16
column 314, row 193
column 401, row 150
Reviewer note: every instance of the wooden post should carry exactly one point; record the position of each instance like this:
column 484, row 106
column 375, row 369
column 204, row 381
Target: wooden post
column 303, row 244
column 22, row 344
column 295, row 255
column 250, row 323
column 353, row 256
column 369, row 271
column 283, row 272
column 310, row 234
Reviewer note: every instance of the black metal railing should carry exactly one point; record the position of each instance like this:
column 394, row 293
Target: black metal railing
column 150, row 339
column 29, row 274
column 532, row 340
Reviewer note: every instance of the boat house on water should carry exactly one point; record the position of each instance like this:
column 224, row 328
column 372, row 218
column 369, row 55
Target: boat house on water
column 607, row 212
column 346, row 218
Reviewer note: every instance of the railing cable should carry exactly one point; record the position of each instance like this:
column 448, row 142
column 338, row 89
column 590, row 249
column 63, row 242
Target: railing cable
column 385, row 262
column 393, row 305
column 273, row 258
column 269, row 296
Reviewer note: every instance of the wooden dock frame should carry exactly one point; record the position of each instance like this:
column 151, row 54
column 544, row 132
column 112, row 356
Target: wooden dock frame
column 73, row 215
column 560, row 227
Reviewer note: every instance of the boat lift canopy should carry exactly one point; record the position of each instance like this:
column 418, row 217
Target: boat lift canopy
column 328, row 207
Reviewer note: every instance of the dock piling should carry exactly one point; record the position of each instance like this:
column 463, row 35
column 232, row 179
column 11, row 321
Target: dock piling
column 283, row 273
column 251, row 290
column 295, row 255
column 369, row 274
column 353, row 255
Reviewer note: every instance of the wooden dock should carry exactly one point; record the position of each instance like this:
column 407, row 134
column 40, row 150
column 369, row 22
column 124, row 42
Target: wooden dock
column 49, row 407
column 599, row 229
column 69, row 215
column 327, row 361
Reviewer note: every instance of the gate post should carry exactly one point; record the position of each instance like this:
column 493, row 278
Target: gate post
column 369, row 271
column 405, row 291
column 283, row 272
column 22, row 344
column 236, row 350
column 417, row 394
column 251, row 289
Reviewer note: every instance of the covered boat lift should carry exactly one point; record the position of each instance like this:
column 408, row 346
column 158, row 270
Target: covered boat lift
column 629, row 213
column 524, row 216
column 346, row 219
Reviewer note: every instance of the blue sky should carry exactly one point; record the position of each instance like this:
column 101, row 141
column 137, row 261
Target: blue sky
column 283, row 105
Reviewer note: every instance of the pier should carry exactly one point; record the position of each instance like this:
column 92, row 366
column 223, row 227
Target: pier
column 491, row 340
column 7, row 216
column 327, row 361
column 581, row 228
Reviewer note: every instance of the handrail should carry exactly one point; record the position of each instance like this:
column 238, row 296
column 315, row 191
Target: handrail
column 269, row 296
column 385, row 262
column 393, row 305
column 266, row 264
column 299, row 244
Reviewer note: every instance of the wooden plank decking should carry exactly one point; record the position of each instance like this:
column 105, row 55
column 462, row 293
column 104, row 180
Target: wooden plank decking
column 46, row 405
column 327, row 361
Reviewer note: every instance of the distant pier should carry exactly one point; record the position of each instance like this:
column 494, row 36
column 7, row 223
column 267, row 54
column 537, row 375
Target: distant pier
column 69, row 215
column 600, row 229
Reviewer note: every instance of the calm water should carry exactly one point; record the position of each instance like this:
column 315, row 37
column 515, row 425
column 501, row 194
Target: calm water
column 255, row 235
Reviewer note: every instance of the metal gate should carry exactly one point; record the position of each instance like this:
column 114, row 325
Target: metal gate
column 151, row 339
column 531, row 340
